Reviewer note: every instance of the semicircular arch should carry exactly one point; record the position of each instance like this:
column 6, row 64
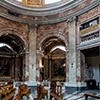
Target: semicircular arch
column 59, row 36
column 14, row 32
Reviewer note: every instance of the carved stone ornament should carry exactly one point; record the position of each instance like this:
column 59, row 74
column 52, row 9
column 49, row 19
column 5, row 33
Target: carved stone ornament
column 34, row 3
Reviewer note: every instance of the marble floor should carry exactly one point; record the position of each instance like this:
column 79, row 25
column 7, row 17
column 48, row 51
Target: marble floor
column 74, row 96
column 80, row 95
column 77, row 95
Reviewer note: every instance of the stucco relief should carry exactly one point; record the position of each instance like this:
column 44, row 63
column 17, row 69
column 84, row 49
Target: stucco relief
column 37, row 2
column 33, row 2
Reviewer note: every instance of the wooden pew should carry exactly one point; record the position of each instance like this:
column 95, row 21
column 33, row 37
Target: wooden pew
column 54, row 91
column 24, row 90
column 91, row 95
column 7, row 92
column 17, row 95
column 41, row 91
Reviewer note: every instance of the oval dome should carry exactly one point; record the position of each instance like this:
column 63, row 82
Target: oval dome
column 46, row 1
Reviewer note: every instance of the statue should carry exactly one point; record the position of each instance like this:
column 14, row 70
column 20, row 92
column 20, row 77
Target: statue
column 89, row 72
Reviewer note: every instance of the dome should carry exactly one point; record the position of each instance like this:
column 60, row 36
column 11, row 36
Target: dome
column 48, row 13
column 46, row 1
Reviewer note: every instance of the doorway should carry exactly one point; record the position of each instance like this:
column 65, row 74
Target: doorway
column 92, row 63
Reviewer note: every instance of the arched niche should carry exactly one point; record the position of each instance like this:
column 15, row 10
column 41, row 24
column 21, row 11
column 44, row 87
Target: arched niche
column 12, row 50
column 53, row 59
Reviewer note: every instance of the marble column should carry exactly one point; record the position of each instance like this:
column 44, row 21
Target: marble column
column 26, row 66
column 74, row 75
column 72, row 51
column 32, row 52
column 67, row 65
column 71, row 83
column 80, row 62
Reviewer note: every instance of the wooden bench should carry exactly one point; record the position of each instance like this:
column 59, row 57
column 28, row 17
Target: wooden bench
column 24, row 90
column 91, row 95
column 17, row 95
column 56, row 96
column 41, row 91
column 55, row 91
column 7, row 92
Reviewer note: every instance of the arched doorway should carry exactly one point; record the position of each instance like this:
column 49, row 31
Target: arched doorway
column 53, row 59
column 11, row 57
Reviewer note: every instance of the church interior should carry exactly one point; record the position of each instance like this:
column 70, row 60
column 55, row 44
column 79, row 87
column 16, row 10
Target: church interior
column 49, row 50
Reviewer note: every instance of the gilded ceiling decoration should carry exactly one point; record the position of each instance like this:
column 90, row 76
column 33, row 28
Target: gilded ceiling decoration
column 36, row 3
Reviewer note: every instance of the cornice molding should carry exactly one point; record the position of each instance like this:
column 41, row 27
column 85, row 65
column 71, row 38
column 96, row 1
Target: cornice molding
column 51, row 21
column 40, row 11
column 89, row 44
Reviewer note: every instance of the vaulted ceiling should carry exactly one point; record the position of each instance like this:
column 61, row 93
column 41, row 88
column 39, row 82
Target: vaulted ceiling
column 50, row 43
column 13, row 41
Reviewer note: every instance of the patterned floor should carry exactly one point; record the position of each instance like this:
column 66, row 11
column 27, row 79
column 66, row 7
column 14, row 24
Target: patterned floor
column 77, row 95
column 74, row 96
column 80, row 95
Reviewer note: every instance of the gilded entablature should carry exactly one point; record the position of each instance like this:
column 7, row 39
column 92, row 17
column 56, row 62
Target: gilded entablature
column 34, row 3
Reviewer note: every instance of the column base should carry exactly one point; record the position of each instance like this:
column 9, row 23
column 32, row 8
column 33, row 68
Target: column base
column 73, row 87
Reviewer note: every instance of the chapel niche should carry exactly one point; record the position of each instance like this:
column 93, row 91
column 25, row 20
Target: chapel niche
column 53, row 59
column 11, row 57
